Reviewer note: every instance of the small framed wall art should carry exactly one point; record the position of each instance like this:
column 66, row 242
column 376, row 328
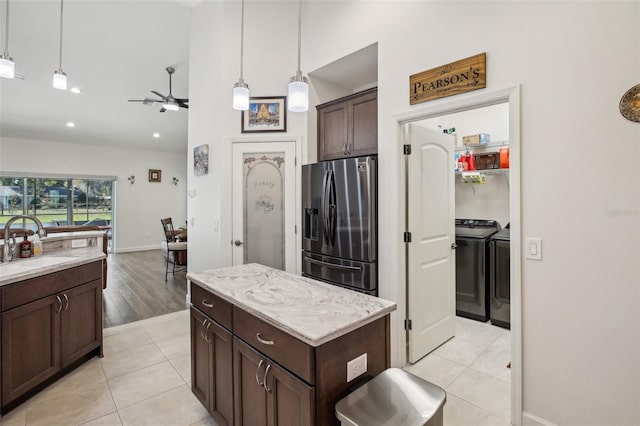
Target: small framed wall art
column 201, row 160
column 155, row 175
column 265, row 114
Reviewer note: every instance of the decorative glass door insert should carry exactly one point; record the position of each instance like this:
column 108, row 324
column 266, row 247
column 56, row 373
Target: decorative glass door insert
column 263, row 208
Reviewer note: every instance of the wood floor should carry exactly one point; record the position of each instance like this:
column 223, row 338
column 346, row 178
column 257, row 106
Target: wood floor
column 136, row 288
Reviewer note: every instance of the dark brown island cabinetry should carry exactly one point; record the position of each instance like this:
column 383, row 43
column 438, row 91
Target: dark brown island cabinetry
column 348, row 127
column 276, row 380
column 50, row 324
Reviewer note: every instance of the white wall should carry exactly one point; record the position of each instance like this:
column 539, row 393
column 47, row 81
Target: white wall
column 573, row 60
column 139, row 207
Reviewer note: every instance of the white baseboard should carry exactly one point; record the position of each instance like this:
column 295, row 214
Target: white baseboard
column 140, row 248
column 529, row 419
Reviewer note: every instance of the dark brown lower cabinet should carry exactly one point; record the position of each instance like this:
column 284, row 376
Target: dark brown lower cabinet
column 212, row 367
column 266, row 394
column 44, row 333
column 30, row 346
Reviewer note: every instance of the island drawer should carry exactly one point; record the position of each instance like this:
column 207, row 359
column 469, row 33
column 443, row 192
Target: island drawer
column 291, row 353
column 212, row 305
column 23, row 292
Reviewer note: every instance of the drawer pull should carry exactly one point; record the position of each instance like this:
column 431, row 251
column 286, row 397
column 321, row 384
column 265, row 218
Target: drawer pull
column 264, row 379
column 207, row 304
column 264, row 342
column 258, row 372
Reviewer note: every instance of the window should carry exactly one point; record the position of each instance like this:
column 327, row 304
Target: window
column 57, row 202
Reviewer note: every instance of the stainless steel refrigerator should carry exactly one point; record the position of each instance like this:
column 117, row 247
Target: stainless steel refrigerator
column 340, row 226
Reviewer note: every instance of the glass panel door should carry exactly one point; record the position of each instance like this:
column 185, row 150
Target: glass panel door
column 264, row 209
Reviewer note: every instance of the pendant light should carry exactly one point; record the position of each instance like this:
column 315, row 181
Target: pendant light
column 241, row 89
column 298, row 86
column 7, row 66
column 59, row 76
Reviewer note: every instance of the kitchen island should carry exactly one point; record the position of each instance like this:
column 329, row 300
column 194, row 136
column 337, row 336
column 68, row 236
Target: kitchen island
column 272, row 348
column 50, row 315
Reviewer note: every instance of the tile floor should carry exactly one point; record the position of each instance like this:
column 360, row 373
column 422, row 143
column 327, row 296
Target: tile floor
column 144, row 379
column 472, row 368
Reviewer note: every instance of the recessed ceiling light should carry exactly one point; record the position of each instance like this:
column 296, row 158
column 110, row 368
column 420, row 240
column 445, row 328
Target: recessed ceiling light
column 71, row 124
column 156, row 135
column 75, row 90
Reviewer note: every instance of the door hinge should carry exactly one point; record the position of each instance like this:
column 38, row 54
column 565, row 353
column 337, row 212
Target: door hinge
column 407, row 237
column 295, row 229
column 295, row 161
column 407, row 324
column 406, row 149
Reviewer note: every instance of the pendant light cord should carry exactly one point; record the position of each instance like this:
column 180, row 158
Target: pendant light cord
column 299, row 30
column 61, row 10
column 6, row 34
column 241, row 39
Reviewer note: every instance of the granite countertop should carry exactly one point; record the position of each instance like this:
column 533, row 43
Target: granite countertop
column 312, row 311
column 47, row 263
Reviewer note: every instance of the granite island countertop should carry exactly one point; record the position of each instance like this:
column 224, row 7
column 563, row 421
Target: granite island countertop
column 47, row 263
column 312, row 311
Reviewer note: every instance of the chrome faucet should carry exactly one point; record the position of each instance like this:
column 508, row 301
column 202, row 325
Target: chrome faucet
column 7, row 255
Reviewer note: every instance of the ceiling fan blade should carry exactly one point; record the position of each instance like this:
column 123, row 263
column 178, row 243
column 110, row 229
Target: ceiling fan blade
column 162, row 109
column 158, row 94
column 184, row 106
column 136, row 100
column 182, row 100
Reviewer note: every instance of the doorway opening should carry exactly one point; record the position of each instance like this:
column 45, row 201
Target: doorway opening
column 509, row 97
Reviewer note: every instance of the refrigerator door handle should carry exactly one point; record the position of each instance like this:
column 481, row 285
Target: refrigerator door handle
column 333, row 265
column 332, row 208
column 325, row 207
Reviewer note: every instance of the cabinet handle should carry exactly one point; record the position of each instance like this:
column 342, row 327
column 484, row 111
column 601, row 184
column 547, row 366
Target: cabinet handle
column 206, row 333
column 60, row 305
column 66, row 300
column 344, row 149
column 258, row 371
column 264, row 342
column 264, row 379
column 207, row 304
column 204, row 322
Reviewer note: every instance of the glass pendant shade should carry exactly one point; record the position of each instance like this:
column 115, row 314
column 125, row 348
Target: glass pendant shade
column 241, row 96
column 60, row 80
column 298, row 99
column 7, row 67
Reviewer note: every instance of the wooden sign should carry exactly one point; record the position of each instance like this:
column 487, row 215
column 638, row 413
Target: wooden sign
column 457, row 77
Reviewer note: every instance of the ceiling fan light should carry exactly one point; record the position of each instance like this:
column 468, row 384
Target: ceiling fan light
column 170, row 106
column 60, row 79
column 298, row 96
column 7, row 67
column 241, row 96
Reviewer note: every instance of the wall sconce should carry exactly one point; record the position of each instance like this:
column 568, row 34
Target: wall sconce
column 175, row 180
column 132, row 179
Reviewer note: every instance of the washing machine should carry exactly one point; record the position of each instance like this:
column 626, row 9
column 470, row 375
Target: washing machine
column 472, row 266
column 500, row 278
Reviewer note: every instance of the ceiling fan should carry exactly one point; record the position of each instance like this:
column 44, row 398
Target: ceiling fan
column 168, row 102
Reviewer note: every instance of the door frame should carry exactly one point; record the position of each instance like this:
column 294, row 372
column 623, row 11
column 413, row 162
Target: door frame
column 511, row 96
column 297, row 140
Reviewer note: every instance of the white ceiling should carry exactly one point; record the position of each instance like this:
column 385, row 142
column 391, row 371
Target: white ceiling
column 114, row 51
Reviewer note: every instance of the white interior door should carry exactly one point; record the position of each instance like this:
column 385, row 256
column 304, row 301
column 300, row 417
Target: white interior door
column 431, row 299
column 264, row 204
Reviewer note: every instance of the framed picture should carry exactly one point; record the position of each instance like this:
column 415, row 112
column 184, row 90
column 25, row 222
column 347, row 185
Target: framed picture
column 201, row 160
column 265, row 114
column 155, row 175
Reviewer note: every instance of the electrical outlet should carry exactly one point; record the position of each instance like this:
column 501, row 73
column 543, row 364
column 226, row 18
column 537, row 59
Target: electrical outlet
column 356, row 367
column 79, row 243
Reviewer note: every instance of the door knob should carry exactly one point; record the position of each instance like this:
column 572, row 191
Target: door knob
column 454, row 246
column 238, row 242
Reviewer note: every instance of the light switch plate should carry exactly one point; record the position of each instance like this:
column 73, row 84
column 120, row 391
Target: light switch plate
column 533, row 248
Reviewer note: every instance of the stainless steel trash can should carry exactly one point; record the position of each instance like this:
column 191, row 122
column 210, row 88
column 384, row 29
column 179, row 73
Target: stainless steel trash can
column 393, row 398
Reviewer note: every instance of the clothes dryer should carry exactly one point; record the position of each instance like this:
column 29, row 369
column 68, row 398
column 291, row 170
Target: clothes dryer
column 472, row 267
column 500, row 278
